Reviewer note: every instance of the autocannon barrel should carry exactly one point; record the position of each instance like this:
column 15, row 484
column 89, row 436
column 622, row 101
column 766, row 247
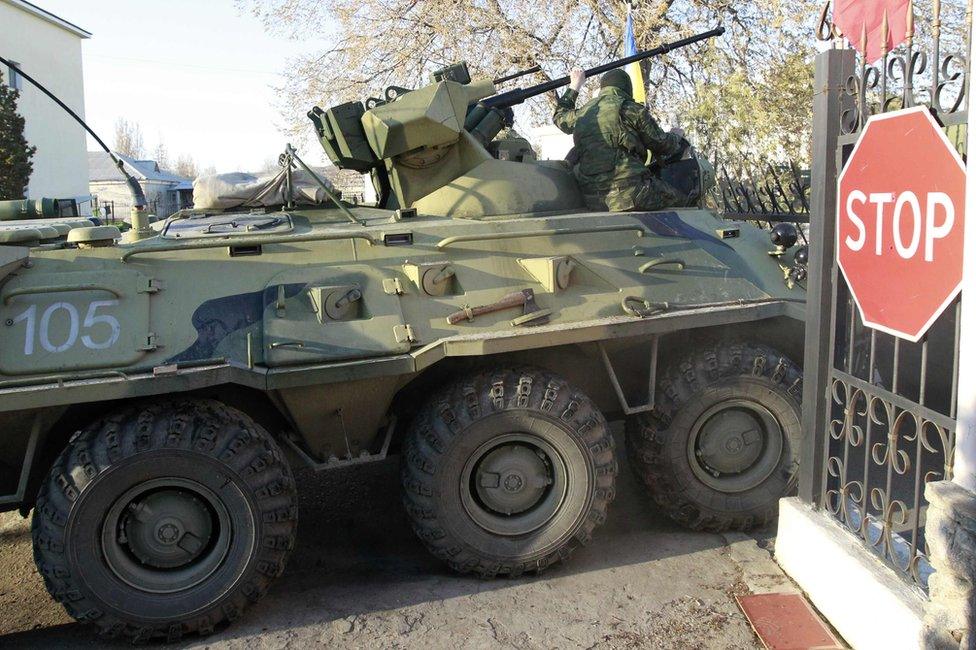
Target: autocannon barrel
column 519, row 95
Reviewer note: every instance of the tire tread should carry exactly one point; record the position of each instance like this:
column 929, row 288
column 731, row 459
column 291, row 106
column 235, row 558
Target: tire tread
column 448, row 412
column 647, row 434
column 221, row 432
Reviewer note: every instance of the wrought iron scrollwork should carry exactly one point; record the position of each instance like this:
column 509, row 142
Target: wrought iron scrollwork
column 906, row 74
column 849, row 398
column 902, row 69
column 826, row 30
column 881, row 453
column 893, row 514
column 945, row 449
column 886, row 451
column 770, row 192
column 953, row 71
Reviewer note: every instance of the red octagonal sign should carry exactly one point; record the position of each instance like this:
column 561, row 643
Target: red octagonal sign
column 900, row 219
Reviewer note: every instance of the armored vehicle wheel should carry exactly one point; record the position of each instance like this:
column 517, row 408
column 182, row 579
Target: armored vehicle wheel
column 165, row 520
column 508, row 471
column 721, row 447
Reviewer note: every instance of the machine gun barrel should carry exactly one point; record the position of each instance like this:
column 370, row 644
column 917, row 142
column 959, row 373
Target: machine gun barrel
column 519, row 95
column 516, row 75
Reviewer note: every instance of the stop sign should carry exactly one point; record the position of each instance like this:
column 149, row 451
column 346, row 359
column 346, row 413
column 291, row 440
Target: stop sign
column 900, row 219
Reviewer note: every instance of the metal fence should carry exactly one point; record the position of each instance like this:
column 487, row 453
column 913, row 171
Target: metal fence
column 115, row 212
column 879, row 411
column 770, row 192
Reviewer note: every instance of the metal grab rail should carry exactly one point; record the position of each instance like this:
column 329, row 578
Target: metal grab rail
column 653, row 264
column 246, row 241
column 546, row 232
column 26, row 291
column 61, row 379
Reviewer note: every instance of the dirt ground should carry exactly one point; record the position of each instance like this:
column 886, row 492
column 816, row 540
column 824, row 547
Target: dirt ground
column 359, row 578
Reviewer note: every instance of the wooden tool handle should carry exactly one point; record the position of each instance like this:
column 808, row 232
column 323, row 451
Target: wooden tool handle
column 516, row 299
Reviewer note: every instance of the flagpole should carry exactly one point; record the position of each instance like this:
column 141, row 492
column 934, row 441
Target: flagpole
column 635, row 70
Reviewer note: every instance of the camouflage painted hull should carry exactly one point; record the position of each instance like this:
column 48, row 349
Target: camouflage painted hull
column 221, row 300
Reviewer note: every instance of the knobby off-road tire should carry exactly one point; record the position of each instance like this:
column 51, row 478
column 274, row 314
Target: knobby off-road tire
column 720, row 448
column 507, row 471
column 164, row 520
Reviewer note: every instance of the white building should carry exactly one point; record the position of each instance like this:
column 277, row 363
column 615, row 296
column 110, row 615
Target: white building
column 165, row 191
column 48, row 48
column 550, row 142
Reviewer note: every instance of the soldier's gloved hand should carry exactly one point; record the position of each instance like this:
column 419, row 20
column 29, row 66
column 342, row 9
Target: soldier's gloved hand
column 678, row 132
column 577, row 77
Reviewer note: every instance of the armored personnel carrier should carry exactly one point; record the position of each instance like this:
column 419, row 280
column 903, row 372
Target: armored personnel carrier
column 157, row 390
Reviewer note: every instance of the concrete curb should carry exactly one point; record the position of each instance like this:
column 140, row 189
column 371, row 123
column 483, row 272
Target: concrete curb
column 861, row 597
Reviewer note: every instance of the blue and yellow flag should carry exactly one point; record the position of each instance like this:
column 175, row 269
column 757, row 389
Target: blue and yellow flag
column 634, row 69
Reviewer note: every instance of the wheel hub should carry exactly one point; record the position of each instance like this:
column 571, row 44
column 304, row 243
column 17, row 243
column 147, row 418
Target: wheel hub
column 513, row 484
column 735, row 445
column 168, row 529
column 512, row 478
column 169, row 533
column 166, row 535
column 731, row 441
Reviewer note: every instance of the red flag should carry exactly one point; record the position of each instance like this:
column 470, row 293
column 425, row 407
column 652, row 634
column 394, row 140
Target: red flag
column 867, row 24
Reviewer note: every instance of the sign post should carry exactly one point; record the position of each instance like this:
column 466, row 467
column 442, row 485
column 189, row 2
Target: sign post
column 900, row 226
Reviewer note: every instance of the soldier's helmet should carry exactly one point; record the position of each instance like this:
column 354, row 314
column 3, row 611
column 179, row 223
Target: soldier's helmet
column 618, row 79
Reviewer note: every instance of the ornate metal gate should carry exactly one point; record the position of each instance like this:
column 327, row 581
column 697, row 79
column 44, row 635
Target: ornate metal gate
column 879, row 412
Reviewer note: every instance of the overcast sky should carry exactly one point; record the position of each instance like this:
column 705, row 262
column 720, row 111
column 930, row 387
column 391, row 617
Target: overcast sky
column 195, row 73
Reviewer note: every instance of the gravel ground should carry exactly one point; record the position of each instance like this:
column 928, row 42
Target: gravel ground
column 359, row 578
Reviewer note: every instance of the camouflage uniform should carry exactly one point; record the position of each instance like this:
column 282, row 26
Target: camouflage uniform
column 613, row 135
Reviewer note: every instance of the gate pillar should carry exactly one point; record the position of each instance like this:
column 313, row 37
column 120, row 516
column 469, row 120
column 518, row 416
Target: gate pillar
column 950, row 621
column 832, row 70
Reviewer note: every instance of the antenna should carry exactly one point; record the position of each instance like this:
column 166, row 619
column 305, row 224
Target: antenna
column 138, row 196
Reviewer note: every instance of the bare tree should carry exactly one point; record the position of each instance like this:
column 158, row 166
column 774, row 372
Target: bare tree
column 270, row 166
column 186, row 167
column 128, row 139
column 161, row 155
column 400, row 42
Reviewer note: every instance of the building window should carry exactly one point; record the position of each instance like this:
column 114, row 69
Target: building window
column 15, row 80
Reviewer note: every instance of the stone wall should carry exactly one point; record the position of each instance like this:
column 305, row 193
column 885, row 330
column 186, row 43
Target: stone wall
column 950, row 531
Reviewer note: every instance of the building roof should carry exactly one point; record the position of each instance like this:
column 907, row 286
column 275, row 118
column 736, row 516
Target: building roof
column 102, row 169
column 49, row 17
column 346, row 180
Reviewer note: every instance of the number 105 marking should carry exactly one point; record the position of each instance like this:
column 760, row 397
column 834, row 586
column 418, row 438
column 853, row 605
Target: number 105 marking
column 92, row 319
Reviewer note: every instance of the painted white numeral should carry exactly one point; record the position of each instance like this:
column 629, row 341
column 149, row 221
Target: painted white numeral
column 45, row 327
column 91, row 320
column 108, row 333
column 30, row 315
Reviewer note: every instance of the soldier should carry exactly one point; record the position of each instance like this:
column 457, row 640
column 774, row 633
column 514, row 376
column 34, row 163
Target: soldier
column 612, row 136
